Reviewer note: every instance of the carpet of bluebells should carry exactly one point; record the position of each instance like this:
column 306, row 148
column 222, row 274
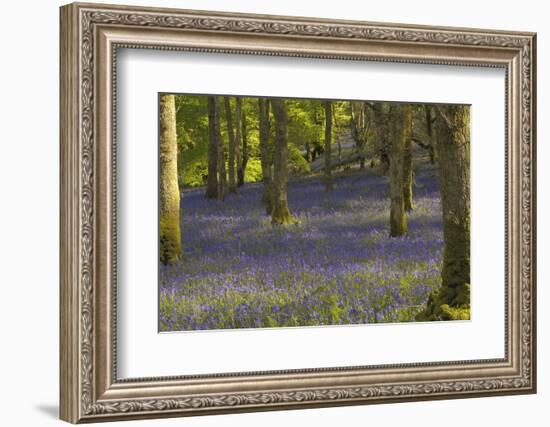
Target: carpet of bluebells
column 338, row 265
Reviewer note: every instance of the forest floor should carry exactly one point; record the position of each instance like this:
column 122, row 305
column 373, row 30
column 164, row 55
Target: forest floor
column 338, row 265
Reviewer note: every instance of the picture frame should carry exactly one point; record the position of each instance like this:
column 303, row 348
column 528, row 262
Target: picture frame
column 90, row 37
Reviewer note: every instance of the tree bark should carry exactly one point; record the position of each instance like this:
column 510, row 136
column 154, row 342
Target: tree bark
column 338, row 139
column 430, row 132
column 381, row 135
column 212, row 179
column 170, row 232
column 398, row 134
column 308, row 152
column 245, row 148
column 454, row 170
column 265, row 156
column 222, row 173
column 328, row 143
column 358, row 130
column 238, row 138
column 281, row 214
column 452, row 300
column 407, row 162
column 231, row 140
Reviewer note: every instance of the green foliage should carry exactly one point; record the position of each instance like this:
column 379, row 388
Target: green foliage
column 192, row 128
column 193, row 166
column 297, row 164
column 191, row 121
column 453, row 313
column 306, row 125
column 192, row 131
column 448, row 303
column 253, row 170
column 305, row 121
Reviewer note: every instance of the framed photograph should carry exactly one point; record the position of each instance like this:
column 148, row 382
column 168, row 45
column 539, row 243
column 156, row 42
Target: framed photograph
column 266, row 212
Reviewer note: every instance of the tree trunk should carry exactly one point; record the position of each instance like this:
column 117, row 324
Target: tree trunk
column 238, row 126
column 407, row 162
column 245, row 149
column 265, row 155
column 328, row 142
column 452, row 301
column 308, row 152
column 281, row 214
column 358, row 128
column 213, row 120
column 398, row 134
column 381, row 135
column 222, row 174
column 231, row 140
column 429, row 130
column 337, row 131
column 170, row 233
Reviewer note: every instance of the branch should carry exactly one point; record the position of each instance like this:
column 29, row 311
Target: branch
column 444, row 117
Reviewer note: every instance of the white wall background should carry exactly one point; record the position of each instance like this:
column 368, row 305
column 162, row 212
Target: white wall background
column 29, row 171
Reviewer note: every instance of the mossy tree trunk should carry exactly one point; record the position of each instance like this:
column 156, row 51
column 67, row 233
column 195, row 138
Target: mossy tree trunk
column 265, row 155
column 232, row 186
column 328, row 144
column 408, row 162
column 452, row 300
column 281, row 214
column 170, row 233
column 213, row 141
column 238, row 139
column 398, row 135
column 244, row 148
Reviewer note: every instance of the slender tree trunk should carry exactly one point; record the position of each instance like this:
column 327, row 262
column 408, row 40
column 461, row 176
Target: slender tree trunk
column 222, row 173
column 358, row 130
column 213, row 121
column 398, row 134
column 363, row 124
column 381, row 135
column 337, row 131
column 452, row 301
column 281, row 214
column 308, row 152
column 231, row 140
column 429, row 129
column 328, row 142
column 238, row 126
column 245, row 148
column 170, row 232
column 265, row 155
column 408, row 162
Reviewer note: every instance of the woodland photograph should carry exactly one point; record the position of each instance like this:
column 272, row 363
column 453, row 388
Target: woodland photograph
column 288, row 212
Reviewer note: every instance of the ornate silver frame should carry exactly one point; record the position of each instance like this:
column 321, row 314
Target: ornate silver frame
column 90, row 35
